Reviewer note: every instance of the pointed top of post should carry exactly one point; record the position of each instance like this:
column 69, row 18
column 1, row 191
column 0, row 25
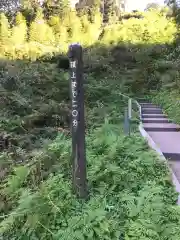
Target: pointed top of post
column 75, row 51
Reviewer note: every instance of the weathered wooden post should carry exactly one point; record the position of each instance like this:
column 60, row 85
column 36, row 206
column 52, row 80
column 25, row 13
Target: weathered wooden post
column 78, row 122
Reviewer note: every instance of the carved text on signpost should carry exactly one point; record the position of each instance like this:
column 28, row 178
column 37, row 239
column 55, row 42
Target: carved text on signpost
column 74, row 95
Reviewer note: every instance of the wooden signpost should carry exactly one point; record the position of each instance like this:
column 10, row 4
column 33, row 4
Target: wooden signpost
column 78, row 121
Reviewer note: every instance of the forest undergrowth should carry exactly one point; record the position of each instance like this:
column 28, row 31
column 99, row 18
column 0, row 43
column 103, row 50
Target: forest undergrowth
column 131, row 192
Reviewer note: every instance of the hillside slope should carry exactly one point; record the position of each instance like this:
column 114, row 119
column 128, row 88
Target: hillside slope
column 131, row 193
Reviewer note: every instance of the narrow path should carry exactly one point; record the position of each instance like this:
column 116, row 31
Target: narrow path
column 164, row 133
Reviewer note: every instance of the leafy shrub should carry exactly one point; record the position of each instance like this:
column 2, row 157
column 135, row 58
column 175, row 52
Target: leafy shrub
column 136, row 207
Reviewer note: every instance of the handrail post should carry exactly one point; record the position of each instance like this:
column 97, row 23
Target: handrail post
column 140, row 113
column 126, row 122
column 130, row 108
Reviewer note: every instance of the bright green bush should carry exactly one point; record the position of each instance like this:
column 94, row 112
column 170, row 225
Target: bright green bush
column 19, row 31
column 4, row 30
column 153, row 28
column 75, row 27
column 40, row 31
column 88, row 33
column 60, row 32
column 30, row 50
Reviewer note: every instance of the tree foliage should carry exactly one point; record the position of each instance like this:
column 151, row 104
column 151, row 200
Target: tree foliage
column 85, row 27
column 9, row 5
column 151, row 6
column 4, row 29
column 40, row 31
column 19, row 31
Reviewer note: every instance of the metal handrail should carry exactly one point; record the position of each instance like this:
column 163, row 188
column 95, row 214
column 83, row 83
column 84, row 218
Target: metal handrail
column 130, row 105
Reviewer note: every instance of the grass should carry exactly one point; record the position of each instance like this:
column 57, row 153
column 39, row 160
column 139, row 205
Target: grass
column 129, row 187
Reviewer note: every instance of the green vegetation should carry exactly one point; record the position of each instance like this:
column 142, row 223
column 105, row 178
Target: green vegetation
column 131, row 194
column 169, row 84
column 50, row 36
